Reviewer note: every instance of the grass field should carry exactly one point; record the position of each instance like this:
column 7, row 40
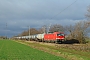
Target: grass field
column 68, row 53
column 11, row 50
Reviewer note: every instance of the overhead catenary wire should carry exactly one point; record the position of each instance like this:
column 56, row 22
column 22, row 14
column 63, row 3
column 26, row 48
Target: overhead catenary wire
column 64, row 9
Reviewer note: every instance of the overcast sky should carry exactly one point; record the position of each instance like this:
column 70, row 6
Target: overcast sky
column 19, row 14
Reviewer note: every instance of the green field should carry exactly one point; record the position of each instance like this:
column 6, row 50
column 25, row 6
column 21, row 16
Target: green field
column 11, row 50
column 70, row 52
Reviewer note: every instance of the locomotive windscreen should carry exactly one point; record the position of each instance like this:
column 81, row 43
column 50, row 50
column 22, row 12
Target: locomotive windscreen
column 60, row 34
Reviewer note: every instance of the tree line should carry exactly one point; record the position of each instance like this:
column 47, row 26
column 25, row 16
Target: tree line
column 79, row 31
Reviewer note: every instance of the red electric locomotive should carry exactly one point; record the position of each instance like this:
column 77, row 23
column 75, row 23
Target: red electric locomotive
column 56, row 37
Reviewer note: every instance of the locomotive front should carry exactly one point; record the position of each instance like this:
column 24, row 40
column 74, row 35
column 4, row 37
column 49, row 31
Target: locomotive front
column 60, row 37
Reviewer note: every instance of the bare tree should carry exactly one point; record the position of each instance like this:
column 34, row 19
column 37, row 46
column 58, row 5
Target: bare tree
column 24, row 33
column 88, row 13
column 79, row 31
column 56, row 27
column 33, row 31
column 70, row 29
column 43, row 29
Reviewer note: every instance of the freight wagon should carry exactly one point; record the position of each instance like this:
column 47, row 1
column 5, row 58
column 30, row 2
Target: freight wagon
column 40, row 37
column 56, row 37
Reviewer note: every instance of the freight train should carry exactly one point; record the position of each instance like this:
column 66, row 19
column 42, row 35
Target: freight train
column 56, row 37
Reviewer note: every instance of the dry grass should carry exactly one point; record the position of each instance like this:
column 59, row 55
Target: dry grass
column 69, row 51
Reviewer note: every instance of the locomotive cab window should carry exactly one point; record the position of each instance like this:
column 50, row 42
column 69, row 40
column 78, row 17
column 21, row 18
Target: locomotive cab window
column 60, row 34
